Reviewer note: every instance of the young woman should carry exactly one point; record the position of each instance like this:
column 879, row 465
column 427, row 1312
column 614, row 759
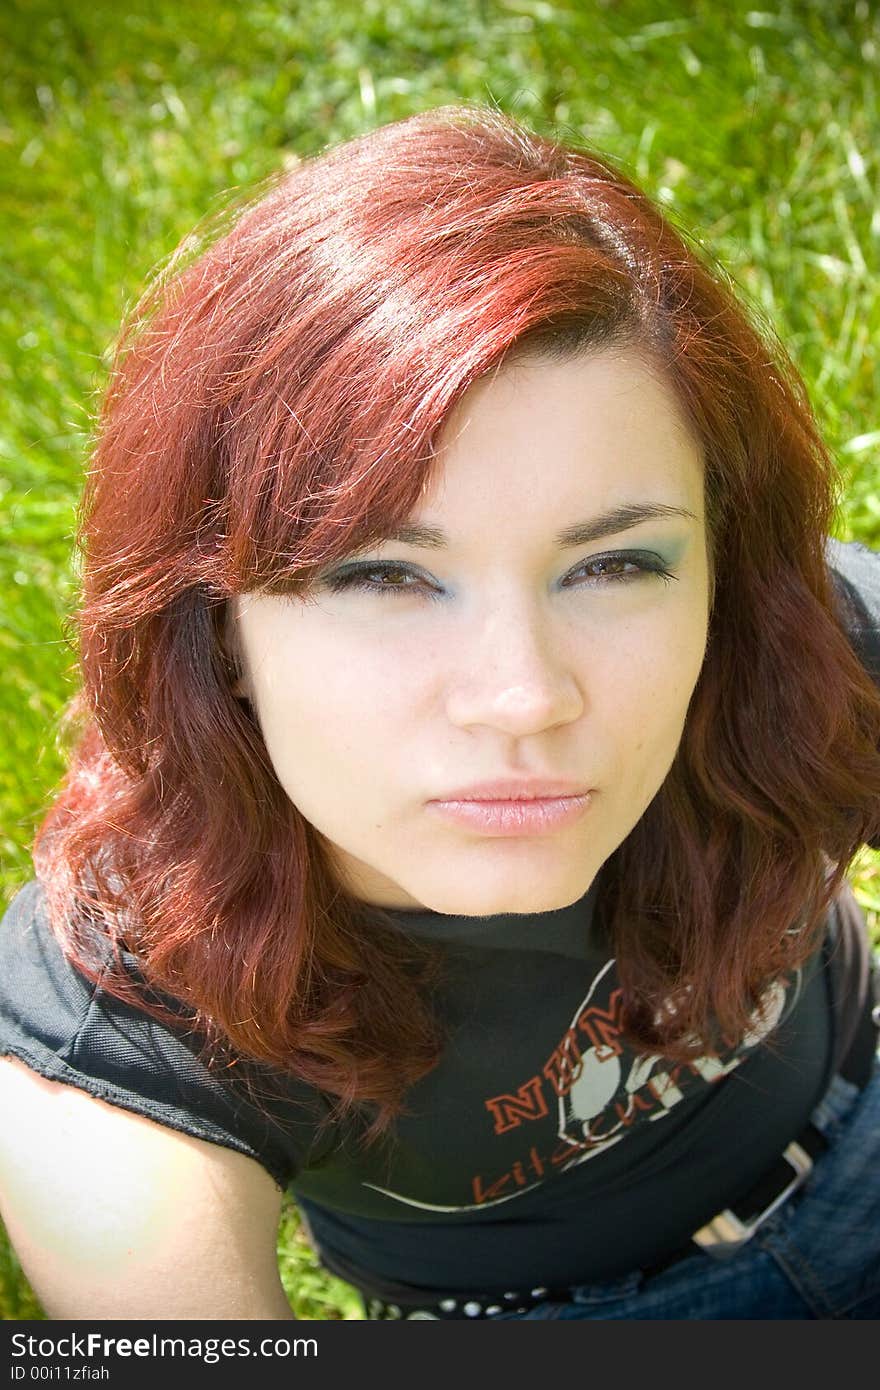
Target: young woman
column 477, row 726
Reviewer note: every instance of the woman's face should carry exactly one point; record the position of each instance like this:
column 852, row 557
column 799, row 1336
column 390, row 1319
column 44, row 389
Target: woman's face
column 541, row 624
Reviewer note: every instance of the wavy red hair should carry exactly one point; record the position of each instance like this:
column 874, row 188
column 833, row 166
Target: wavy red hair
column 277, row 401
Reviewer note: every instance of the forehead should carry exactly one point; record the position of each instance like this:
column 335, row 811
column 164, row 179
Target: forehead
column 603, row 429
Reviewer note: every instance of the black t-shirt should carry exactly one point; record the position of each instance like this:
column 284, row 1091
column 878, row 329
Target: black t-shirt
column 539, row 1152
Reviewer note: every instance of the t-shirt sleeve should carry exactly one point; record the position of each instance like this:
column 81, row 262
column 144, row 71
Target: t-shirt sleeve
column 68, row 1029
column 855, row 572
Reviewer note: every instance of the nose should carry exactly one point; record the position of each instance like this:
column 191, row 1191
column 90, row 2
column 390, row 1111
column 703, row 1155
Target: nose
column 514, row 678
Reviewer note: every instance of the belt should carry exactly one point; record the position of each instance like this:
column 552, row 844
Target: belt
column 729, row 1230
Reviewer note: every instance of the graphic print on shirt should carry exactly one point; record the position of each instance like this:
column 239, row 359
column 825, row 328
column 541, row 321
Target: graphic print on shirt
column 593, row 1090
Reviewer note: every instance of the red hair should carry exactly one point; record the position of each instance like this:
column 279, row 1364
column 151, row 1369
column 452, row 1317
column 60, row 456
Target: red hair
column 277, row 402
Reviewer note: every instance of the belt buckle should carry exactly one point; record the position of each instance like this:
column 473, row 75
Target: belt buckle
column 727, row 1233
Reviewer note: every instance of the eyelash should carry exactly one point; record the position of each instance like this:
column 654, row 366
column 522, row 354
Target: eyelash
column 357, row 577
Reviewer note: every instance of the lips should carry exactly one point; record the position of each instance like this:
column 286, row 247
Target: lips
column 507, row 808
column 510, row 789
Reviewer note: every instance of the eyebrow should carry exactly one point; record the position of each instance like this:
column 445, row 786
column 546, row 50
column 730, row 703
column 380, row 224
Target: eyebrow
column 607, row 523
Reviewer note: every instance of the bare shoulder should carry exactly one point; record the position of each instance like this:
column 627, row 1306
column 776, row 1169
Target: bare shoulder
column 115, row 1216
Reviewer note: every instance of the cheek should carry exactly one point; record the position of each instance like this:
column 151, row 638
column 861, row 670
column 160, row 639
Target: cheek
column 641, row 697
column 324, row 718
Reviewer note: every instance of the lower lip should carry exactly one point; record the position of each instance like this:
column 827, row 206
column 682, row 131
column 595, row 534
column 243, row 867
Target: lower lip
column 537, row 816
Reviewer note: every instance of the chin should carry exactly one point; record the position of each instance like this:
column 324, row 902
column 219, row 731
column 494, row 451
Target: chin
column 496, row 900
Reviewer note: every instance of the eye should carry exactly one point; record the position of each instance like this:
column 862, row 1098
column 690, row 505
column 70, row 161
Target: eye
column 617, row 567
column 380, row 577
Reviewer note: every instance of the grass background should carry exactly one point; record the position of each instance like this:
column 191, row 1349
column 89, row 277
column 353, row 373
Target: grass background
column 756, row 124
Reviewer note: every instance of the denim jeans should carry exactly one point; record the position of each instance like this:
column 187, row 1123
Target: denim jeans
column 817, row 1257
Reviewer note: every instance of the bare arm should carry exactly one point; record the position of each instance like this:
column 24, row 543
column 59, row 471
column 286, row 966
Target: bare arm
column 113, row 1216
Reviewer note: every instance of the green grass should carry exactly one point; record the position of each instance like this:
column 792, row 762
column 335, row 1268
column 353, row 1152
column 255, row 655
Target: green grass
column 757, row 125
